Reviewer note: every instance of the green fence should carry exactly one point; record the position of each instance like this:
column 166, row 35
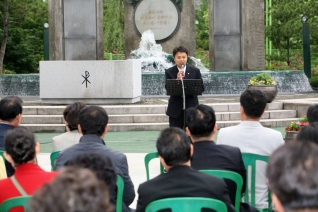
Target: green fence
column 111, row 56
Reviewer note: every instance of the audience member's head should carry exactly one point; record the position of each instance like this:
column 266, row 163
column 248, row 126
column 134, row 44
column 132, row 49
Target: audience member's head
column 74, row 189
column 20, row 146
column 93, row 121
column 174, row 147
column 308, row 133
column 292, row 174
column 312, row 114
column 71, row 113
column 201, row 122
column 11, row 110
column 101, row 165
column 253, row 103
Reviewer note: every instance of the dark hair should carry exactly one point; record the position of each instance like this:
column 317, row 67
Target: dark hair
column 293, row 175
column 312, row 114
column 200, row 120
column 173, row 146
column 101, row 165
column 19, row 143
column 71, row 113
column 308, row 133
column 180, row 49
column 253, row 102
column 93, row 120
column 73, row 189
column 10, row 107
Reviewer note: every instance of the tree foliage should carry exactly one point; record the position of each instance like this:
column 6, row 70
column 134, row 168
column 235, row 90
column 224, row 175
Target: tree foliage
column 202, row 27
column 114, row 34
column 25, row 37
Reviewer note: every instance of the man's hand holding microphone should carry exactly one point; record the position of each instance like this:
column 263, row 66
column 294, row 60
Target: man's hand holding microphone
column 180, row 74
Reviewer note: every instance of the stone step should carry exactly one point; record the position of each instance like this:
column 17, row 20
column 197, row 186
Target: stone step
column 138, row 109
column 151, row 126
column 154, row 118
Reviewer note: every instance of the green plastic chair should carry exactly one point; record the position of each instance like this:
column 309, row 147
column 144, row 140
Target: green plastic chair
column 250, row 160
column 15, row 202
column 120, row 193
column 193, row 204
column 2, row 154
column 53, row 157
column 148, row 158
column 231, row 176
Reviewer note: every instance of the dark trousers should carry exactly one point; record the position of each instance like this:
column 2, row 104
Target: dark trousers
column 177, row 122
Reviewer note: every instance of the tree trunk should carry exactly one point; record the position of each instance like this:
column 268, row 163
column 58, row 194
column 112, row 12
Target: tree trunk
column 5, row 34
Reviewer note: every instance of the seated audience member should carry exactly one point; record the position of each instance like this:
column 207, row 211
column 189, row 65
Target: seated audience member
column 251, row 137
column 308, row 133
column 201, row 128
column 312, row 114
column 10, row 116
column 101, row 165
column 93, row 125
column 293, row 177
column 20, row 150
column 73, row 190
column 175, row 150
column 72, row 136
column 3, row 172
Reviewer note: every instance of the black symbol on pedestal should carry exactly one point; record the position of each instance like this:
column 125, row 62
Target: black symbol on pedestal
column 86, row 78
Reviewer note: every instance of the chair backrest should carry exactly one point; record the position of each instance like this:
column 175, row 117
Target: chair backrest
column 2, row 154
column 235, row 177
column 15, row 202
column 53, row 157
column 250, row 161
column 120, row 193
column 193, row 204
column 148, row 158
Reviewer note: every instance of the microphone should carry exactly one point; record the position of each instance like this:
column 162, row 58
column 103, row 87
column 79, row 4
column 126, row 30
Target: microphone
column 182, row 68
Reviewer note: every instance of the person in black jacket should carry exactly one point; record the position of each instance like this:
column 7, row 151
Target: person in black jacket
column 202, row 127
column 93, row 125
column 175, row 105
column 175, row 149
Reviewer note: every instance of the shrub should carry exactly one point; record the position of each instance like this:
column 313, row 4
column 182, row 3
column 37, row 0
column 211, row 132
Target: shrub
column 313, row 81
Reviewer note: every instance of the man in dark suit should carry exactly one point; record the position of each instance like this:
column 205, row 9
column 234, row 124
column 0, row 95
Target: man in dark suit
column 175, row 149
column 93, row 124
column 201, row 128
column 10, row 117
column 175, row 105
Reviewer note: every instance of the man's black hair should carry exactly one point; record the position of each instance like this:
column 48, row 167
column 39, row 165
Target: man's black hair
column 10, row 107
column 71, row 113
column 308, row 133
column 200, row 120
column 19, row 143
column 253, row 102
column 180, row 49
column 173, row 146
column 312, row 114
column 93, row 120
column 101, row 165
column 292, row 174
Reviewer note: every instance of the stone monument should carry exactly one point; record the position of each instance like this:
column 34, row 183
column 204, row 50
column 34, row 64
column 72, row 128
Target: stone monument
column 76, row 29
column 237, row 35
column 172, row 21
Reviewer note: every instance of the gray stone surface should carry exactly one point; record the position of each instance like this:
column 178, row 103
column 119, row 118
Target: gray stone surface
column 90, row 81
column 184, row 36
column 76, row 29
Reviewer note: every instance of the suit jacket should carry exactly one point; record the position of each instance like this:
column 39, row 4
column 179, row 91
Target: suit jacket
column 92, row 143
column 252, row 137
column 3, row 129
column 208, row 155
column 30, row 176
column 182, row 181
column 65, row 140
column 175, row 102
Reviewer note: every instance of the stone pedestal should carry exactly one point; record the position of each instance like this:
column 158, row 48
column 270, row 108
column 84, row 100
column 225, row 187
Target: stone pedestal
column 185, row 36
column 92, row 82
column 76, row 29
